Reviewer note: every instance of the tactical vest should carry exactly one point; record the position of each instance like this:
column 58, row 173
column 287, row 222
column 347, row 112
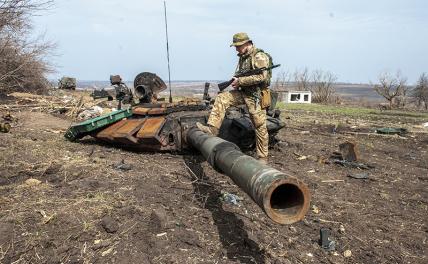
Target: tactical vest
column 246, row 62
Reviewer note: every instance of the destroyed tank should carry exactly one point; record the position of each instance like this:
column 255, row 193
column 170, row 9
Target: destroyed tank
column 151, row 124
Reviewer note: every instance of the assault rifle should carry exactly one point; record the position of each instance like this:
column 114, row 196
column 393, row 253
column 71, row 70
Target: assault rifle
column 224, row 85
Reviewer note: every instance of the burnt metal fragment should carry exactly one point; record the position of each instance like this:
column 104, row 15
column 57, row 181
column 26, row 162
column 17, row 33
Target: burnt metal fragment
column 362, row 175
column 325, row 241
column 348, row 151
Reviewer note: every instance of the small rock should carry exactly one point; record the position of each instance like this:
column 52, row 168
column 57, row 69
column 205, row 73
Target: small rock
column 292, row 229
column 283, row 144
column 347, row 253
column 315, row 209
column 230, row 198
column 302, row 158
column 385, row 196
column 43, row 213
column 32, row 182
column 122, row 166
column 331, row 246
column 9, row 118
column 158, row 219
column 108, row 251
column 101, row 244
column 341, row 229
column 109, row 224
column 323, row 160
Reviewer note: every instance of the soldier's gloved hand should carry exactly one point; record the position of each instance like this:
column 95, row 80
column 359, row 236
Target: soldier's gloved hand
column 235, row 83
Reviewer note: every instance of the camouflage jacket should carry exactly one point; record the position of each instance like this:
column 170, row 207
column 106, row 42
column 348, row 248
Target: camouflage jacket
column 253, row 59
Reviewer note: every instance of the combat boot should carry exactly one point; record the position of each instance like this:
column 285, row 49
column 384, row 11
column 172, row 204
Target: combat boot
column 207, row 129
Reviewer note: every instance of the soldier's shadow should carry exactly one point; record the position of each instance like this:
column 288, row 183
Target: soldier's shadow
column 236, row 243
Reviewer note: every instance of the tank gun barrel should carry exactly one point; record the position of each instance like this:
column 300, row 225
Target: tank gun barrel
column 284, row 198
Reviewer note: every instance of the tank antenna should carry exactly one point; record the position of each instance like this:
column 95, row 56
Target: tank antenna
column 167, row 52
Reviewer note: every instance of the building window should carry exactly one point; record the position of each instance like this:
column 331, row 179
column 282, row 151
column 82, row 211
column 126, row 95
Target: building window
column 295, row 97
column 306, row 97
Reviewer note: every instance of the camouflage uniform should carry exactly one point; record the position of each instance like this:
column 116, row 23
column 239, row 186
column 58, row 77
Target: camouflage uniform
column 249, row 94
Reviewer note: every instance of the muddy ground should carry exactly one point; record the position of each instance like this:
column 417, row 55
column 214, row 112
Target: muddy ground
column 166, row 208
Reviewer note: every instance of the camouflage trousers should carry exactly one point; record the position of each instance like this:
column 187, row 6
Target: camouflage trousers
column 257, row 115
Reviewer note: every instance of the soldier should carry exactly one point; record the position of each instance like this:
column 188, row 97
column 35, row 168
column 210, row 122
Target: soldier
column 246, row 90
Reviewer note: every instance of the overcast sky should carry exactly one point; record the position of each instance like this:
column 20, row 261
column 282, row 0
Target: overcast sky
column 355, row 39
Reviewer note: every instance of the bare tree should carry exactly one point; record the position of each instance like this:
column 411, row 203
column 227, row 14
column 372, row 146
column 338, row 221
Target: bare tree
column 282, row 81
column 22, row 59
column 302, row 79
column 392, row 88
column 322, row 87
column 420, row 93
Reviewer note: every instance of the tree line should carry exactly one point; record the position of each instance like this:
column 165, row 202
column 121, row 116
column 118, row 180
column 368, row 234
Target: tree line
column 319, row 82
column 394, row 88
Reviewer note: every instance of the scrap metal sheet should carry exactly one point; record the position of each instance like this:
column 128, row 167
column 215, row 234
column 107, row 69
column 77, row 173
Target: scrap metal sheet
column 125, row 133
column 151, row 127
column 107, row 133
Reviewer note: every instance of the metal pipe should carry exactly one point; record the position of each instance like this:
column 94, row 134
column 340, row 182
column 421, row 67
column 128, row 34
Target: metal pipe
column 284, row 198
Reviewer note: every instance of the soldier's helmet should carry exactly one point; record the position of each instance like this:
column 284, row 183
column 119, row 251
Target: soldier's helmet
column 240, row 39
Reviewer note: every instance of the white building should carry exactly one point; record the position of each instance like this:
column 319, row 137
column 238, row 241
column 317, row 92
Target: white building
column 297, row 97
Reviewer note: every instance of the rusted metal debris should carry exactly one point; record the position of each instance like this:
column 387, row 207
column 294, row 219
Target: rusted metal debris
column 348, row 151
column 348, row 157
column 325, row 241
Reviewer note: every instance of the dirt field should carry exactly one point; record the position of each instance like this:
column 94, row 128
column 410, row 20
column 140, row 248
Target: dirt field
column 167, row 209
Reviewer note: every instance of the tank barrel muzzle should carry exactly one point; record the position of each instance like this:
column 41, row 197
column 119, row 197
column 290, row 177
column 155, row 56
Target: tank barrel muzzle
column 284, row 198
